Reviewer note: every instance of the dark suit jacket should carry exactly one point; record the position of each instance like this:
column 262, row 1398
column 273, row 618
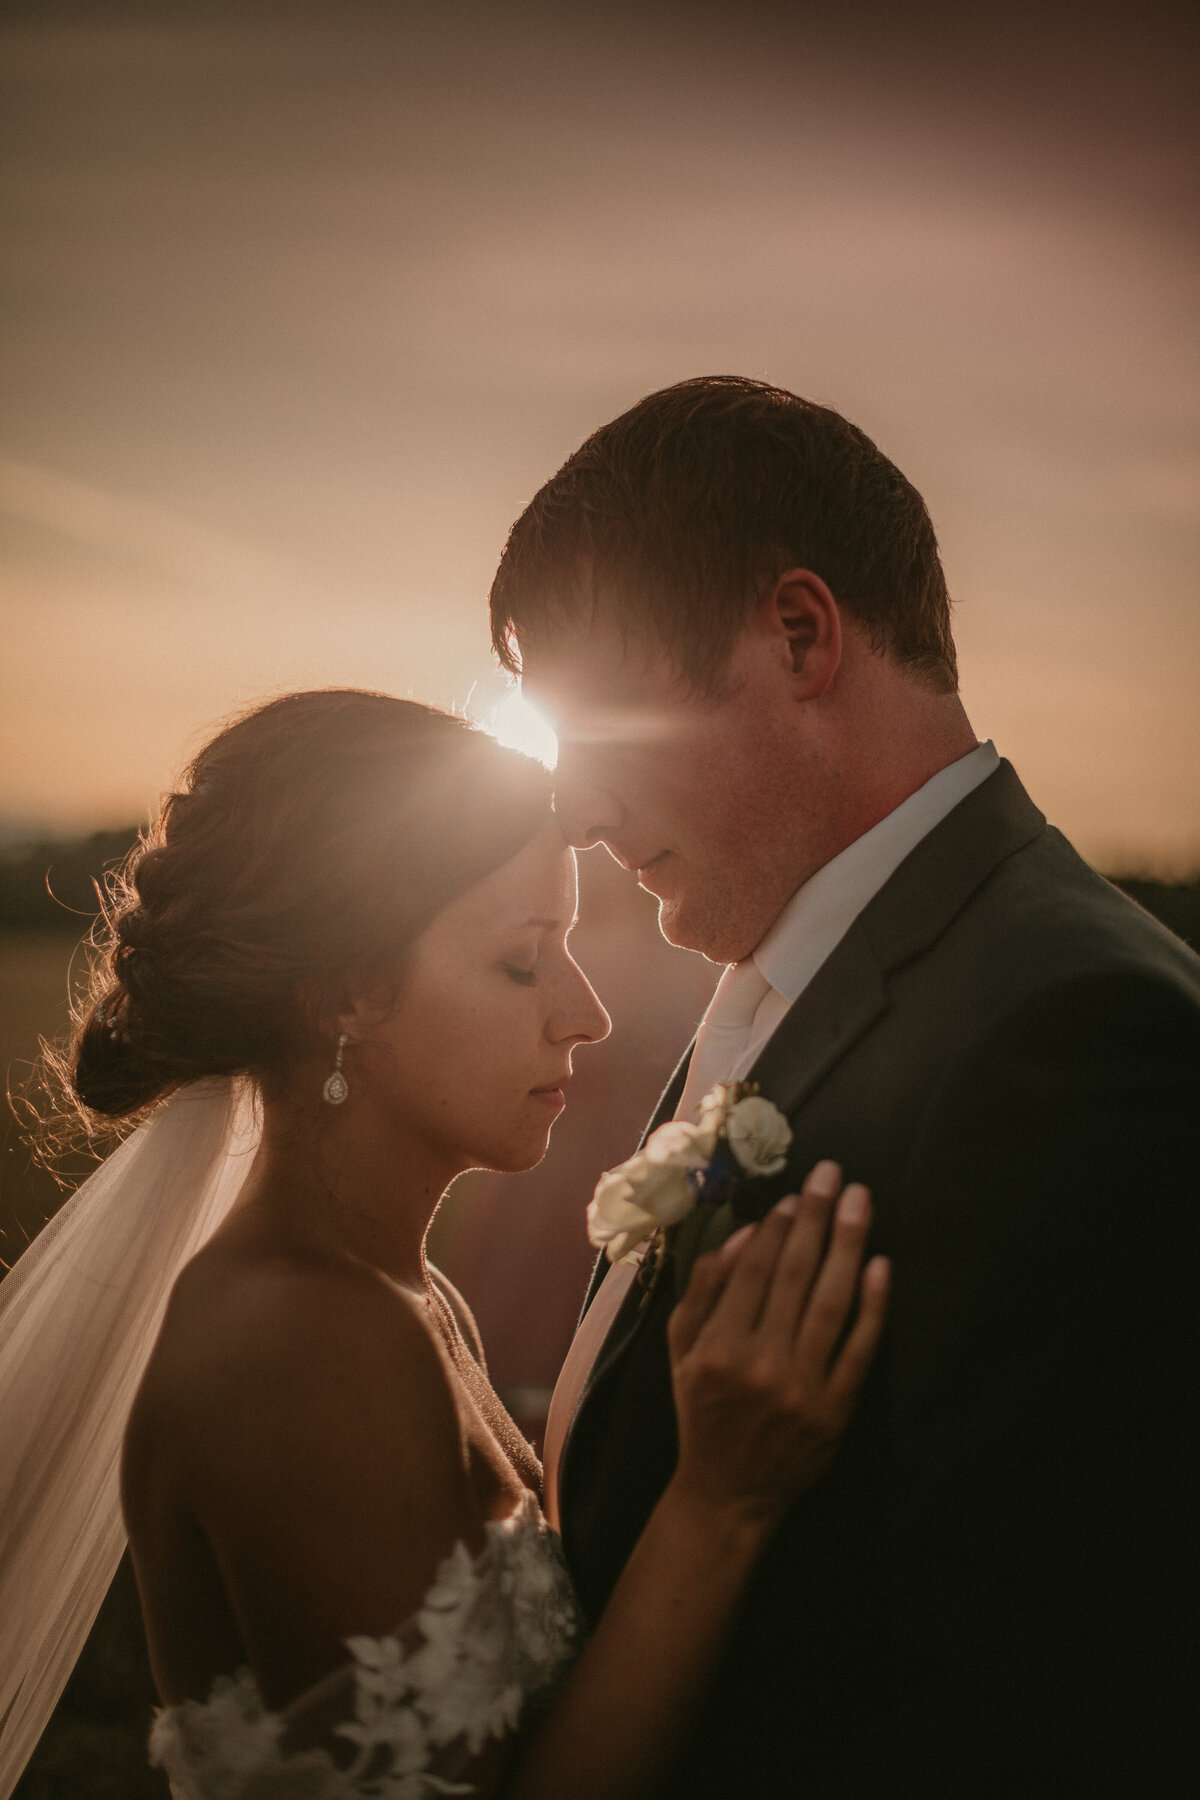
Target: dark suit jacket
column 992, row 1592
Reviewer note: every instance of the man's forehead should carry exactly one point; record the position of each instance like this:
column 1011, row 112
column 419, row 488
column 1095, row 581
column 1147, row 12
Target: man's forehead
column 599, row 665
column 596, row 708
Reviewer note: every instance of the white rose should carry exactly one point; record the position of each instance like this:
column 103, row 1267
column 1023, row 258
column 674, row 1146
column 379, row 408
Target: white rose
column 759, row 1136
column 676, row 1143
column 632, row 1201
column 614, row 1223
column 663, row 1190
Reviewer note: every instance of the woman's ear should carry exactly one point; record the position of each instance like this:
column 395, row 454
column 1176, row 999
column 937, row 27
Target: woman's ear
column 804, row 617
column 329, row 1016
column 355, row 1020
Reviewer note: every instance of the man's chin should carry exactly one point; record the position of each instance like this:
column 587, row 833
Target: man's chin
column 690, row 928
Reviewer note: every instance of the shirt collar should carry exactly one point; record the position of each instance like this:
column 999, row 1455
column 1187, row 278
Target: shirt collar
column 819, row 914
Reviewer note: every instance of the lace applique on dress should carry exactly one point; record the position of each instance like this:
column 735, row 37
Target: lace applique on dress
column 493, row 1631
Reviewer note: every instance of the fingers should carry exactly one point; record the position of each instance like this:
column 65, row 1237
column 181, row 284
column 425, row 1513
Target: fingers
column 831, row 1299
column 800, row 1255
column 858, row 1352
column 752, row 1265
column 792, row 1283
column 705, row 1286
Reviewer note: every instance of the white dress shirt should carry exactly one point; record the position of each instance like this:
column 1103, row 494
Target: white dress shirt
column 819, row 914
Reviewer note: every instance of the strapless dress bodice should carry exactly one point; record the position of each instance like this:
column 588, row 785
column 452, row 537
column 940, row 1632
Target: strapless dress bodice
column 408, row 1714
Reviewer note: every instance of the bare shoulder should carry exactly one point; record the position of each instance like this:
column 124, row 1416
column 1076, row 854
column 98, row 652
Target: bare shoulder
column 263, row 1355
column 302, row 1414
column 463, row 1316
column 261, row 1304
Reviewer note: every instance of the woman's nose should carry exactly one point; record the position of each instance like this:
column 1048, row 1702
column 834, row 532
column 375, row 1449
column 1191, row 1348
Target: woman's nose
column 579, row 1016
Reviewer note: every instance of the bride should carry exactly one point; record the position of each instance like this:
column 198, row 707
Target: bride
column 346, row 942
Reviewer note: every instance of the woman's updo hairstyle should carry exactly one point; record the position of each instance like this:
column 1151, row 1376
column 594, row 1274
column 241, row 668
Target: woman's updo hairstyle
column 311, row 843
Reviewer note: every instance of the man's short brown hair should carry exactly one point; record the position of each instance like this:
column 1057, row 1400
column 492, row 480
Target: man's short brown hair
column 687, row 508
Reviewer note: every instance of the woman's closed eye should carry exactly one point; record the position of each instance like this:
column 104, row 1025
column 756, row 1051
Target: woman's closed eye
column 526, row 977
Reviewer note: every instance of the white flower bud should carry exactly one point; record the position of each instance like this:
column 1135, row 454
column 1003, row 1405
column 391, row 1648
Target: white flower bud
column 712, row 1110
column 759, row 1136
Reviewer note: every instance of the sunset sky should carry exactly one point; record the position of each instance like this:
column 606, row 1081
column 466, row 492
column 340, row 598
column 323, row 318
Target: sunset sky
column 302, row 302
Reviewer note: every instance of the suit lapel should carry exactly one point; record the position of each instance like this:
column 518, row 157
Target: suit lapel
column 849, row 991
column 909, row 913
column 844, row 997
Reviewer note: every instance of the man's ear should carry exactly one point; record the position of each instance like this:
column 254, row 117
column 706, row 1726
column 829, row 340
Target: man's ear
column 803, row 616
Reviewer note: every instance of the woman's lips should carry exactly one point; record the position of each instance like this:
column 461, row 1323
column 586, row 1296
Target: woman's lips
column 554, row 1095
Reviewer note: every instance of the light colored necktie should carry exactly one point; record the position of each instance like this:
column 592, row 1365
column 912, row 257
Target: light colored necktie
column 723, row 1036
column 724, row 1032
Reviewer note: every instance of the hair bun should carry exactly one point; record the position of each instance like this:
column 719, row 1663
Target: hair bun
column 109, row 1075
column 313, row 841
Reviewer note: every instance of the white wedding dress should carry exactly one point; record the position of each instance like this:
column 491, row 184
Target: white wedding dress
column 408, row 1714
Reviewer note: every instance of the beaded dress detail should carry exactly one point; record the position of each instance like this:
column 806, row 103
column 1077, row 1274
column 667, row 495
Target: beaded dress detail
column 409, row 1714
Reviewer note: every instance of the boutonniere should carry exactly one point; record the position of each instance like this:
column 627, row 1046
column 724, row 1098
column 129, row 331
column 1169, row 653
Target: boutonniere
column 738, row 1135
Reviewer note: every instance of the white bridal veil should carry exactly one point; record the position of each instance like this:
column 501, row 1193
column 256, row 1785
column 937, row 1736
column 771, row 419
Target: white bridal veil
column 79, row 1315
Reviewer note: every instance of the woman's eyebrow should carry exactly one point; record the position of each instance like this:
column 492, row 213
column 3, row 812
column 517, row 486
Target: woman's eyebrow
column 546, row 924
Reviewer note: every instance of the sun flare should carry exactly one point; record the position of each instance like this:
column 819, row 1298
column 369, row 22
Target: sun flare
column 519, row 726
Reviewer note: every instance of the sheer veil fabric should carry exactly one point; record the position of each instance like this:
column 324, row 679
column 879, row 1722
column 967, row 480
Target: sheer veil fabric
column 79, row 1315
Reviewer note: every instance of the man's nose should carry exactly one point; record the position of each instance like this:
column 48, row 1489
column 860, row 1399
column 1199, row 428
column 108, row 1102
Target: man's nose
column 588, row 812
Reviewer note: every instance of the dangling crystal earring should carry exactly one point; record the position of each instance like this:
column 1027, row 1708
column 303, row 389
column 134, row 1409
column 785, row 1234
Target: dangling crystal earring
column 337, row 1087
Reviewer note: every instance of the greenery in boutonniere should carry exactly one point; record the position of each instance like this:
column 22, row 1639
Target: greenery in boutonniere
column 738, row 1136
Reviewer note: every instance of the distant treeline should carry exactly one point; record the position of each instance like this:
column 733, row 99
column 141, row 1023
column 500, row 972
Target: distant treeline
column 53, row 885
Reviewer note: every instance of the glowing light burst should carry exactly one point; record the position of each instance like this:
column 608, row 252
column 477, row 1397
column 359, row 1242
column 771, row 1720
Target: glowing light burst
column 519, row 726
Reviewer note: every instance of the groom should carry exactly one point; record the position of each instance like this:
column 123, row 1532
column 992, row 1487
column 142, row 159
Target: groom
column 731, row 606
